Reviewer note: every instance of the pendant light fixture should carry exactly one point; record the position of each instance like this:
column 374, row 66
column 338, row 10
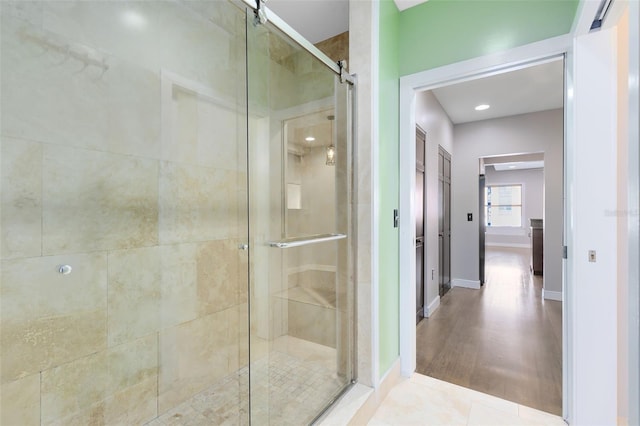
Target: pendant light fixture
column 331, row 149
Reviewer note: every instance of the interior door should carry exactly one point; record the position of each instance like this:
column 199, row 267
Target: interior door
column 446, row 271
column 444, row 220
column 482, row 220
column 419, row 219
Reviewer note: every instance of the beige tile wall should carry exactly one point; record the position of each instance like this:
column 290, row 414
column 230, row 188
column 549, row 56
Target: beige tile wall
column 141, row 190
column 21, row 218
column 303, row 321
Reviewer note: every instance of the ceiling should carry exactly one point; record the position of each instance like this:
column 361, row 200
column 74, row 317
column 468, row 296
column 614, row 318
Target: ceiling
column 513, row 162
column 518, row 165
column 532, row 89
column 406, row 4
column 318, row 125
column 315, row 20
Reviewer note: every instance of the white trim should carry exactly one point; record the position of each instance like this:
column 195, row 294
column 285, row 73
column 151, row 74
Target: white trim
column 496, row 63
column 594, row 319
column 634, row 205
column 500, row 62
column 511, row 245
column 392, row 372
column 459, row 282
column 407, row 272
column 552, row 295
column 568, row 311
column 375, row 193
column 432, row 307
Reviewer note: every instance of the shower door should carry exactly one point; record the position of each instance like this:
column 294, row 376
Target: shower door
column 301, row 291
column 123, row 296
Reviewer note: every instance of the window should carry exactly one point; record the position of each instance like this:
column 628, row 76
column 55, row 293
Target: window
column 503, row 205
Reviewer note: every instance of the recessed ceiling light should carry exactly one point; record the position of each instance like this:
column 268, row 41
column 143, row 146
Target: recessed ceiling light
column 482, row 107
column 309, row 139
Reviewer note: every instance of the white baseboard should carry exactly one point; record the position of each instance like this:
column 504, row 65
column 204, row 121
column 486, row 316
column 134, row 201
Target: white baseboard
column 389, row 378
column 552, row 295
column 510, row 245
column 432, row 307
column 459, row 282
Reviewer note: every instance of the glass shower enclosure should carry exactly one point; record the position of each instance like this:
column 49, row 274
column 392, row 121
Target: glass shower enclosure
column 176, row 217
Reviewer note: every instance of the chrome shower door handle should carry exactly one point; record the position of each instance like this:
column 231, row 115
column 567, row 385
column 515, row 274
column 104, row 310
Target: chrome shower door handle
column 303, row 241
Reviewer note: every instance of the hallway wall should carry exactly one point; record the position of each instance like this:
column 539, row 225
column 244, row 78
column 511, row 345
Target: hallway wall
column 527, row 133
column 435, row 122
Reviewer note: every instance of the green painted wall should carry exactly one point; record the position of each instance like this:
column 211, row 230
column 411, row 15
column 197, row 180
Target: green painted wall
column 389, row 292
column 441, row 32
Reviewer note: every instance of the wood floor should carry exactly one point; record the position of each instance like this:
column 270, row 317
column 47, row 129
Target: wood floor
column 503, row 339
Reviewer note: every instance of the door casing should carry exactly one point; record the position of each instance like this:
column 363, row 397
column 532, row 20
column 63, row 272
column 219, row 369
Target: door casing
column 513, row 59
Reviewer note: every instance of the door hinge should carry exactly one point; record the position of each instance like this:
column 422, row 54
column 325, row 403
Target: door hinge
column 565, row 252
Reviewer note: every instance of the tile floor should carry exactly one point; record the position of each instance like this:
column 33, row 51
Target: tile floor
column 290, row 387
column 423, row 400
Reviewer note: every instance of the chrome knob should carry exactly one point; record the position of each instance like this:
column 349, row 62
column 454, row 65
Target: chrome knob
column 65, row 269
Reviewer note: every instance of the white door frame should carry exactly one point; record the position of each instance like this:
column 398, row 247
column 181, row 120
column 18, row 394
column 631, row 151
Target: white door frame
column 634, row 205
column 484, row 66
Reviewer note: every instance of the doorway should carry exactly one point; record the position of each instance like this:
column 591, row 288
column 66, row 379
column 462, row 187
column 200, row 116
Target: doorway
column 464, row 188
column 511, row 210
column 580, row 327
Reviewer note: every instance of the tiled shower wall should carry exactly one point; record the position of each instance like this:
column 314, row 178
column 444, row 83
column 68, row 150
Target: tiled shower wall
column 312, row 269
column 122, row 156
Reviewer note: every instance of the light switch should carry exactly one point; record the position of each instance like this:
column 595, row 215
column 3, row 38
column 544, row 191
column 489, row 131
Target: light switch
column 592, row 255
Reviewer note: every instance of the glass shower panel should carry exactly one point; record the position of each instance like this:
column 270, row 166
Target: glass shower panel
column 301, row 296
column 123, row 296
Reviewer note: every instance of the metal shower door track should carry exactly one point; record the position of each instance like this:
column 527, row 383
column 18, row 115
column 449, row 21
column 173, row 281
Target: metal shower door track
column 300, row 40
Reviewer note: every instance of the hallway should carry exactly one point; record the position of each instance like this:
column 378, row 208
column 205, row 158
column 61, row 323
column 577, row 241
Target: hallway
column 503, row 339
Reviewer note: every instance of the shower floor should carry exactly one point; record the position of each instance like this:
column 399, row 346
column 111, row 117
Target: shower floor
column 289, row 387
